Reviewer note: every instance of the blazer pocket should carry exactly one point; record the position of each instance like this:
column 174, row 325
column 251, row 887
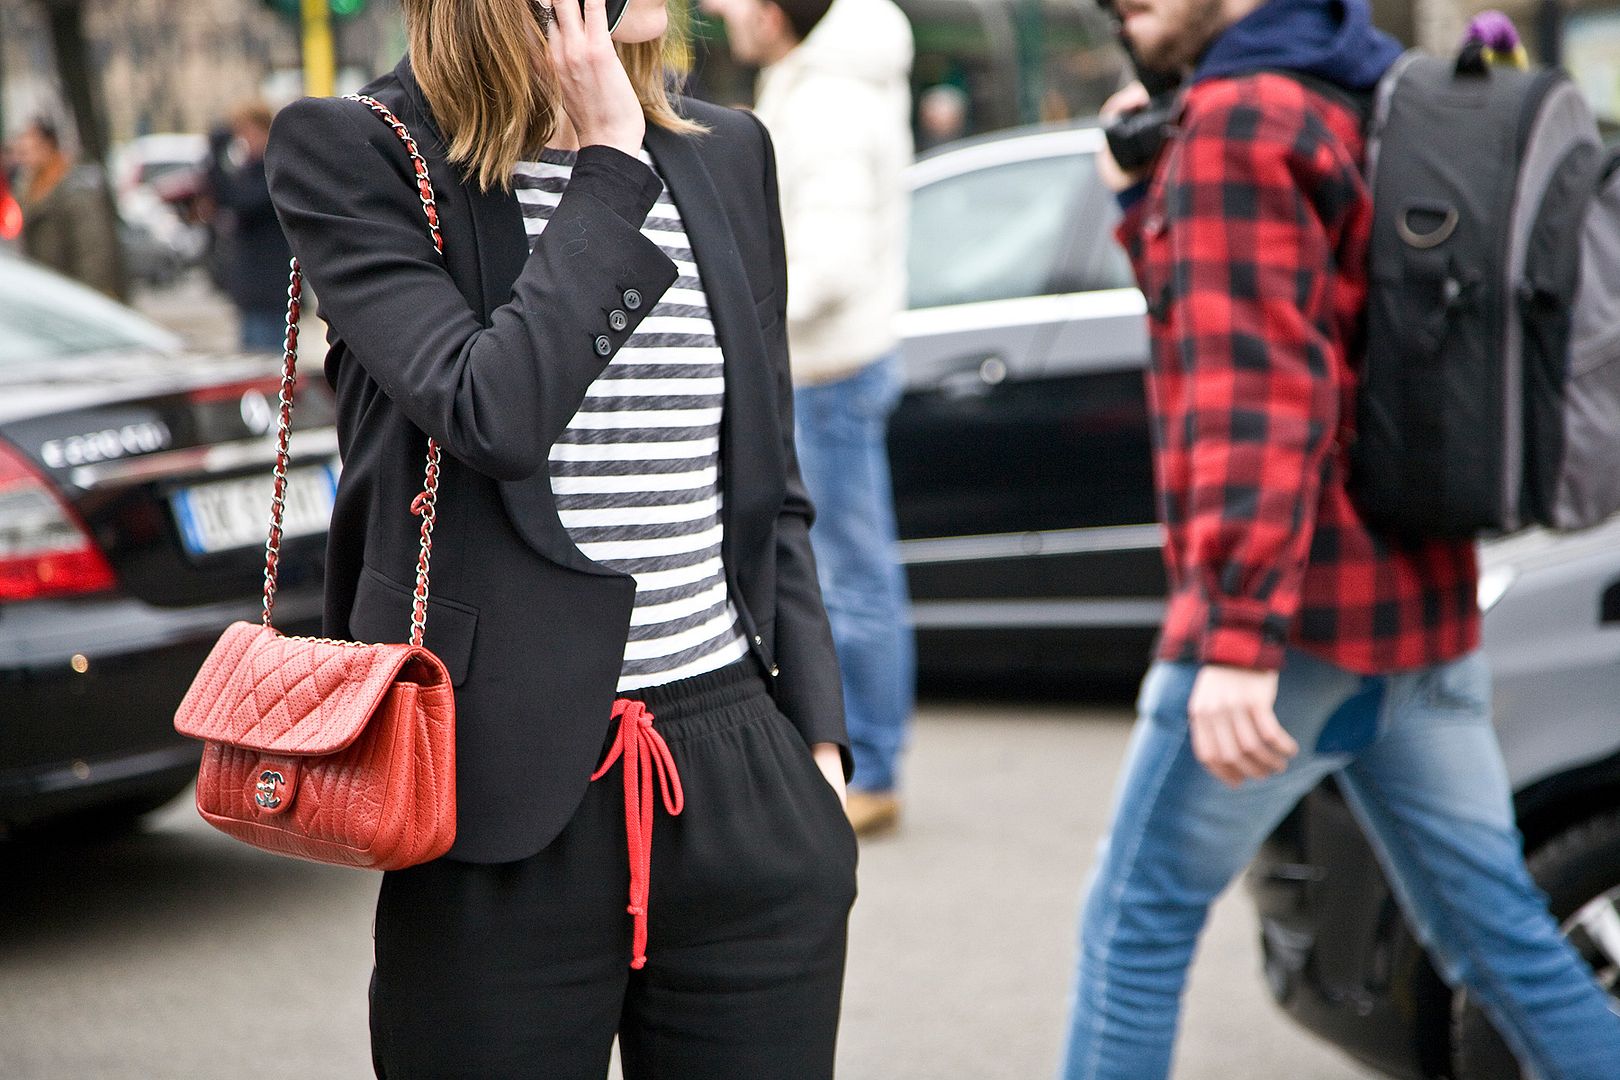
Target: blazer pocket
column 382, row 613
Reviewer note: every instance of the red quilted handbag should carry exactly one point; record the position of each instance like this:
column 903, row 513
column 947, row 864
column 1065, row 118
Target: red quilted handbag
column 329, row 750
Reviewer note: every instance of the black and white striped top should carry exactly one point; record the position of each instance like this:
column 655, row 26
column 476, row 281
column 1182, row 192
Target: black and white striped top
column 637, row 472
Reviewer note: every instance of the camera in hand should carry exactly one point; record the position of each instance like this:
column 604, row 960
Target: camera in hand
column 1136, row 138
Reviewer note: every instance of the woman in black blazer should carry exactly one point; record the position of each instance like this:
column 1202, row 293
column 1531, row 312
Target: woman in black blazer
column 621, row 571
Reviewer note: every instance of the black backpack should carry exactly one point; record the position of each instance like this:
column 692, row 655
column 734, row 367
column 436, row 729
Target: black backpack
column 1490, row 395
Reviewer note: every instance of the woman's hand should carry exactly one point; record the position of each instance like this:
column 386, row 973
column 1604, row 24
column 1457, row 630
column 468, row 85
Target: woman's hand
column 830, row 760
column 596, row 92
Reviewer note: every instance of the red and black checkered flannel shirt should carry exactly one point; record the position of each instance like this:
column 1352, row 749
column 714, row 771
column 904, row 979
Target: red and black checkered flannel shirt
column 1251, row 247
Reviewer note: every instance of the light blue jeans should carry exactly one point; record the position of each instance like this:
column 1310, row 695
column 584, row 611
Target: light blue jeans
column 841, row 428
column 263, row 329
column 1420, row 765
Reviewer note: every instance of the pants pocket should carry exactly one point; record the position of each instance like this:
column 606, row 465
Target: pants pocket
column 1459, row 688
column 830, row 823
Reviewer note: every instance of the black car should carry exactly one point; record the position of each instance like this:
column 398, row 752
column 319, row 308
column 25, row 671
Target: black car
column 1340, row 957
column 134, row 500
column 1022, row 474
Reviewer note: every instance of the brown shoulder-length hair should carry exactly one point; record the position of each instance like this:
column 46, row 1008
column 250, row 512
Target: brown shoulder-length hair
column 484, row 67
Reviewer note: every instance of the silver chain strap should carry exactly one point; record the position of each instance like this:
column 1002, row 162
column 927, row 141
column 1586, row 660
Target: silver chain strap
column 425, row 505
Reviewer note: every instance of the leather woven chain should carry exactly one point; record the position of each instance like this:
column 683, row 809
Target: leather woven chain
column 425, row 503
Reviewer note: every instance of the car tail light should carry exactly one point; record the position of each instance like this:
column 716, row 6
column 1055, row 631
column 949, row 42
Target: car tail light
column 269, row 386
column 45, row 549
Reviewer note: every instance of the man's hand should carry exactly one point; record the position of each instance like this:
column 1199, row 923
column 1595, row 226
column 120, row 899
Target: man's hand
column 1235, row 733
column 830, row 760
column 1133, row 97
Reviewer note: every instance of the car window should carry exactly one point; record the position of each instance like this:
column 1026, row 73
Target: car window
column 994, row 233
column 153, row 171
column 46, row 317
column 1113, row 268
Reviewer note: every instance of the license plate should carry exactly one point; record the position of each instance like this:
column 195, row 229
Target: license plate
column 231, row 514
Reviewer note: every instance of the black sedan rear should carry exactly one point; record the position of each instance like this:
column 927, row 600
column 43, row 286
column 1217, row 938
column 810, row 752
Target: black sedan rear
column 134, row 498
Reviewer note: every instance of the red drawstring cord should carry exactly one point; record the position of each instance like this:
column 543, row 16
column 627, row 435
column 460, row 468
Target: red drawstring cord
column 644, row 752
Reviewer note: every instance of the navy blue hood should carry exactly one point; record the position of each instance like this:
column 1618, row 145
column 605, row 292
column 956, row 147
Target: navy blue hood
column 1333, row 40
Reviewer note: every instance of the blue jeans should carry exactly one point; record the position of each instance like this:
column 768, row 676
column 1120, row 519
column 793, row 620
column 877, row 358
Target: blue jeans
column 1419, row 764
column 263, row 329
column 841, row 429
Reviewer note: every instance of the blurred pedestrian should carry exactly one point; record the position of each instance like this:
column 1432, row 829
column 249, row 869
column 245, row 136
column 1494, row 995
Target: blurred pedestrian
column 942, row 114
column 67, row 218
column 1300, row 642
column 256, row 256
column 834, row 92
column 10, row 209
column 564, row 352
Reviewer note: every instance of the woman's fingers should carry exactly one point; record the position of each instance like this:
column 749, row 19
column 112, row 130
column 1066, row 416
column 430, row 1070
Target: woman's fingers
column 596, row 92
column 566, row 21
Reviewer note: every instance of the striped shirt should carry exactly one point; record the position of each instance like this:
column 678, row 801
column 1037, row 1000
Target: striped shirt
column 636, row 474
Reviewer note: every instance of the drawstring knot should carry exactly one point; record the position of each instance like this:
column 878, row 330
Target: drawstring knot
column 644, row 753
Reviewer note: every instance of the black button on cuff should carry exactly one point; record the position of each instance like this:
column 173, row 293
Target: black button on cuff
column 618, row 320
column 632, row 299
column 603, row 346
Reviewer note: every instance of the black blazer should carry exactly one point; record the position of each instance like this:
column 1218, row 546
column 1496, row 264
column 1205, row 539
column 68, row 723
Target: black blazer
column 490, row 350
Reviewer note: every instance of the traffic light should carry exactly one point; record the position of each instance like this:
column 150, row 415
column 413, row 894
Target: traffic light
column 342, row 9
column 315, row 20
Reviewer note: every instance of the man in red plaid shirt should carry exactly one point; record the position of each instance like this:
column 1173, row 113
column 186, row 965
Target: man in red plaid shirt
column 1298, row 642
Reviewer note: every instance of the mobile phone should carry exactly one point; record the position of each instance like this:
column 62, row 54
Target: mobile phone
column 615, row 12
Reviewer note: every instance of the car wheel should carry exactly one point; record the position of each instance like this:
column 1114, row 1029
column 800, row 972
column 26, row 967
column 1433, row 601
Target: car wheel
column 1580, row 871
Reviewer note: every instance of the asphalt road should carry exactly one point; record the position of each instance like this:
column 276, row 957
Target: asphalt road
column 175, row 954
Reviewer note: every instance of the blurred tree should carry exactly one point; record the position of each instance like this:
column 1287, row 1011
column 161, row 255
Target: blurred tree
column 65, row 18
column 2, row 75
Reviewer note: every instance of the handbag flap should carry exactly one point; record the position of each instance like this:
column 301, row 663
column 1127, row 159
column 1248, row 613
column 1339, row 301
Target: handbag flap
column 263, row 691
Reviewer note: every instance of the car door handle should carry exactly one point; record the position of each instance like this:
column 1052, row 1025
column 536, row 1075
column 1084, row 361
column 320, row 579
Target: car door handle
column 974, row 375
column 1609, row 606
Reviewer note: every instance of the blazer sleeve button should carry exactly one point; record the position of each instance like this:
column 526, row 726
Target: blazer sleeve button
column 632, row 299
column 618, row 320
column 603, row 346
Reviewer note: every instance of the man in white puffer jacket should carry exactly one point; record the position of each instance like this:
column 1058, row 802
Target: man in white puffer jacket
column 834, row 92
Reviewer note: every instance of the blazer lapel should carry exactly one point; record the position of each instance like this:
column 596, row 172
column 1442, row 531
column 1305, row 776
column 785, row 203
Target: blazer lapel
column 745, row 448
column 503, row 247
column 499, row 247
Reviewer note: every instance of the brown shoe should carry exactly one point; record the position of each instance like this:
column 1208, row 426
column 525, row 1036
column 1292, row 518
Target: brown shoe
column 872, row 812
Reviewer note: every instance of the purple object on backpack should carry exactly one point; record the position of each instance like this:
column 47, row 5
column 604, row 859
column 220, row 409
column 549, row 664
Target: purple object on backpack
column 1493, row 30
